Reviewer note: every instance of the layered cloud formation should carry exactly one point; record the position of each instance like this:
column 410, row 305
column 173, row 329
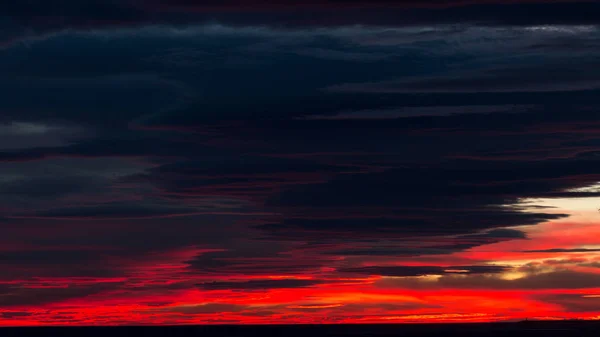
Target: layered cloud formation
column 169, row 162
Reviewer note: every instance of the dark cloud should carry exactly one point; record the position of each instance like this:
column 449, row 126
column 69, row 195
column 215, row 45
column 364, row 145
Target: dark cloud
column 434, row 247
column 66, row 9
column 48, row 187
column 465, row 242
column 573, row 302
column 502, row 233
column 244, row 166
column 47, row 257
column 24, row 19
column 404, row 112
column 392, row 250
column 15, row 314
column 510, row 79
column 107, row 248
column 255, row 260
column 22, row 297
column 557, row 279
column 563, row 250
column 236, row 176
column 326, row 3
column 115, row 211
column 259, row 284
column 61, row 262
column 448, row 197
column 407, row 271
column 412, row 13
column 395, row 225
column 19, row 135
column 60, row 98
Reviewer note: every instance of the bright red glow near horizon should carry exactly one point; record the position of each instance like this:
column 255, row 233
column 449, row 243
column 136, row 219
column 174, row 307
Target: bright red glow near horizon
column 537, row 285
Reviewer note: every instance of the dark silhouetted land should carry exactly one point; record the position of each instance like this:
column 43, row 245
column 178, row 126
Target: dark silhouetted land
column 528, row 329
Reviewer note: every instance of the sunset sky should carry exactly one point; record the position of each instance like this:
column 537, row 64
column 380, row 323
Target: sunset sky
column 283, row 161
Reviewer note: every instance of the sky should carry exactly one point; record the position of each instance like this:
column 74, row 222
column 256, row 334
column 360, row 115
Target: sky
column 321, row 161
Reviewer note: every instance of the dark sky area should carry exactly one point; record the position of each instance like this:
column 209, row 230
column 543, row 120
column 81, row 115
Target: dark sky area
column 188, row 161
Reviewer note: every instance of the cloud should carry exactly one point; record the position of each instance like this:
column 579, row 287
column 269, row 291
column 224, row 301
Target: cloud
column 415, row 189
column 24, row 20
column 235, row 4
column 340, row 227
column 49, row 256
column 419, row 112
column 108, row 97
column 557, row 279
column 577, row 303
column 15, row 314
column 114, row 211
column 159, row 145
column 254, row 260
column 25, row 297
column 509, row 79
column 208, row 308
column 435, row 247
column 22, row 135
column 237, row 175
column 260, row 284
column 405, row 271
column 563, row 250
column 48, row 187
column 66, row 262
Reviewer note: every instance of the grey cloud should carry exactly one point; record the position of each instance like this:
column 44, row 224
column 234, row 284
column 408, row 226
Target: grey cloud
column 255, row 259
column 420, row 112
column 104, row 98
column 20, row 296
column 501, row 80
column 558, row 279
column 406, row 248
column 48, row 183
column 406, row 271
column 260, row 284
column 50, row 187
column 342, row 55
column 23, row 135
column 115, row 211
column 24, row 20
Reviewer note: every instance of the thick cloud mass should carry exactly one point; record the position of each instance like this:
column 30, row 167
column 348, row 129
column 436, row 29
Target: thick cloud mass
column 167, row 162
column 259, row 284
column 403, row 271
